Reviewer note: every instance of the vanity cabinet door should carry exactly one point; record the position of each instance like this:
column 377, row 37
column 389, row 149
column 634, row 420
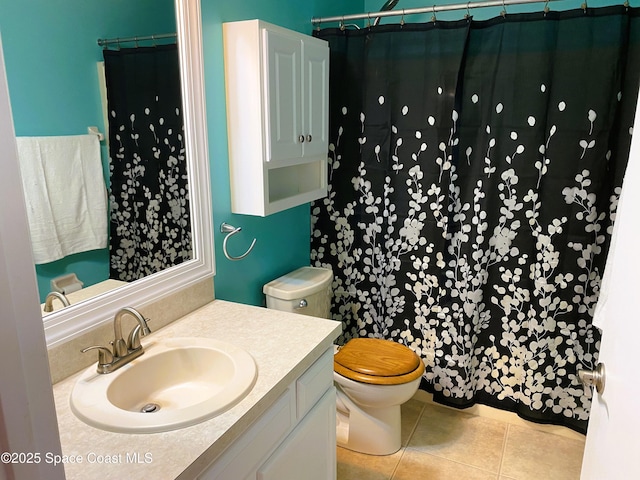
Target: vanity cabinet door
column 309, row 452
column 243, row 457
column 294, row 439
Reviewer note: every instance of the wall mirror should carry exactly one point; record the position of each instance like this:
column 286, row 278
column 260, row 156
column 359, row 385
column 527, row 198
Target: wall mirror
column 68, row 322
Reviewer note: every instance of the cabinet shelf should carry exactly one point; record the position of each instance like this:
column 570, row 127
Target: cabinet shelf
column 277, row 87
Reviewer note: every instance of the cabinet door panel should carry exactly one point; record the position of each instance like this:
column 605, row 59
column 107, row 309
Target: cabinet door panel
column 309, row 452
column 242, row 458
column 284, row 96
column 316, row 95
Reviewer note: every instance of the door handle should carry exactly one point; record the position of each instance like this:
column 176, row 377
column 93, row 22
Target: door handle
column 593, row 378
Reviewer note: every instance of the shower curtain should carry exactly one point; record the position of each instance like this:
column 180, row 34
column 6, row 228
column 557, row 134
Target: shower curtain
column 474, row 172
column 150, row 228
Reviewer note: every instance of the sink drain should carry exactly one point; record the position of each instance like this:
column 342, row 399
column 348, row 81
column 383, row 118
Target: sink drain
column 150, row 408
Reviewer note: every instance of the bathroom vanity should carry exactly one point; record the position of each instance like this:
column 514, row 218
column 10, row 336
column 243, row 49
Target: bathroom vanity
column 284, row 428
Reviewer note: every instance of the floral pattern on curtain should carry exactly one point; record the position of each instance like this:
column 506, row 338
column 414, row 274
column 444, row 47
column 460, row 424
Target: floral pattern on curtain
column 475, row 169
column 150, row 228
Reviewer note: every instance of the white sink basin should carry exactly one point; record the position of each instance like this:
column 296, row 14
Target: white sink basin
column 183, row 381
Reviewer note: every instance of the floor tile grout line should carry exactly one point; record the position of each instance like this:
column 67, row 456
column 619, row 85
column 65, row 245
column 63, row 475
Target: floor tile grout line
column 450, row 460
column 436, row 455
column 409, row 437
column 395, row 469
column 445, row 458
column 415, row 425
column 504, row 448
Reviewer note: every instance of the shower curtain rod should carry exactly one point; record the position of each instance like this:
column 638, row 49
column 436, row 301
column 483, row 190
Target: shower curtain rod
column 433, row 9
column 107, row 41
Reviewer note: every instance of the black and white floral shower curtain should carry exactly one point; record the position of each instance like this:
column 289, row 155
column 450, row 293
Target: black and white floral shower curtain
column 150, row 228
column 475, row 169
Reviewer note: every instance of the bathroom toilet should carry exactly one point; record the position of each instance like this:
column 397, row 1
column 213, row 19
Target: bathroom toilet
column 373, row 377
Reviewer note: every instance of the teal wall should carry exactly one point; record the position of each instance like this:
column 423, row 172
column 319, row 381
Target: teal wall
column 51, row 51
column 283, row 238
column 53, row 89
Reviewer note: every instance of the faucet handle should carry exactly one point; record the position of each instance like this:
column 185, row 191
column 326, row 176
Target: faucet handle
column 136, row 333
column 105, row 356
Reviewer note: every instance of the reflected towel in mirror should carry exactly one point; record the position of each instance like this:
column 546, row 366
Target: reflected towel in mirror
column 65, row 194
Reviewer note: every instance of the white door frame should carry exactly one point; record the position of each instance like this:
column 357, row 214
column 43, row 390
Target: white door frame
column 28, row 423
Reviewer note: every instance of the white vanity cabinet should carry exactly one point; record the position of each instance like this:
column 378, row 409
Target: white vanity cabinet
column 277, row 90
column 294, row 439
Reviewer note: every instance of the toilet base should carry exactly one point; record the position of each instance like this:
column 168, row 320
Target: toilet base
column 373, row 431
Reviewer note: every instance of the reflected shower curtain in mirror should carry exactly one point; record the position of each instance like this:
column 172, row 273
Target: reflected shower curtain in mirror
column 149, row 200
column 474, row 171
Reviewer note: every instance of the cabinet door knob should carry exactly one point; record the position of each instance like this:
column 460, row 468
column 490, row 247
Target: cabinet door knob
column 301, row 139
column 309, row 138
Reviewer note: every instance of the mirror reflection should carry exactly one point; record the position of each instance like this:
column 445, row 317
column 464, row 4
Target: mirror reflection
column 61, row 82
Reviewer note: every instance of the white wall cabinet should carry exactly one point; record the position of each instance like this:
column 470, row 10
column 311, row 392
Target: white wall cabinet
column 277, row 87
column 294, row 439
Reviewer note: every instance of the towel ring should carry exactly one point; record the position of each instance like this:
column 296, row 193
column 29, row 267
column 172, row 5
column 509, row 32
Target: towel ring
column 231, row 231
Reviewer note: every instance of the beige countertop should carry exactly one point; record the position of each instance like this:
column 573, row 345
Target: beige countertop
column 283, row 346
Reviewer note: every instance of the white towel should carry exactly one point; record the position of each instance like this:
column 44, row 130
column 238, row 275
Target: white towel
column 65, row 195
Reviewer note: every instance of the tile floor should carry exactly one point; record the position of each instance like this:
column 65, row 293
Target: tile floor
column 441, row 443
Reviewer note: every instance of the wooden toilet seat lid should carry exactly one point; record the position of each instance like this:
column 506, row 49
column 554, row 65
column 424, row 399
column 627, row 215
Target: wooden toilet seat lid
column 376, row 361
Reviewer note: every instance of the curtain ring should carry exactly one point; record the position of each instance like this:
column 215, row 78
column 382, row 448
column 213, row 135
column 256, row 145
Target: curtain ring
column 342, row 27
column 467, row 15
column 402, row 18
column 504, row 10
column 433, row 17
column 584, row 7
column 368, row 19
column 546, row 8
column 135, row 39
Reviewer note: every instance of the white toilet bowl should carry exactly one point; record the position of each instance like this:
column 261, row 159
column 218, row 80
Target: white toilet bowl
column 368, row 414
column 373, row 377
column 372, row 423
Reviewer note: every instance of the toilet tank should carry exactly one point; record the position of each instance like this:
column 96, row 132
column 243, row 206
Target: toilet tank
column 306, row 290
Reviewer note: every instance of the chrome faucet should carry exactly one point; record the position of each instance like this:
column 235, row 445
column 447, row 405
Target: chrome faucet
column 120, row 347
column 123, row 351
column 51, row 296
